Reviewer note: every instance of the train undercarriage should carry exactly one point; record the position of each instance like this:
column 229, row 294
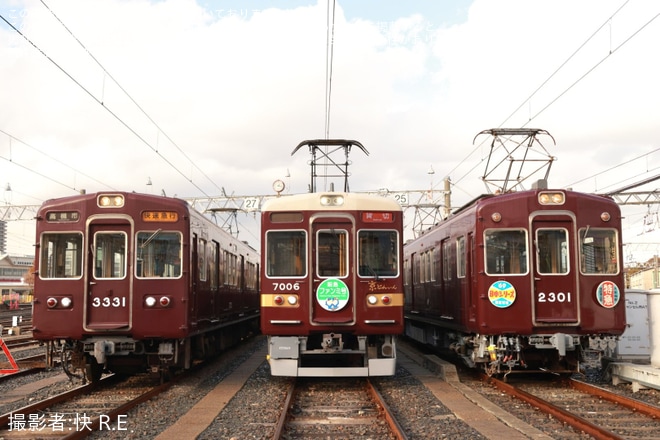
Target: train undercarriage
column 332, row 355
column 88, row 359
column 500, row 355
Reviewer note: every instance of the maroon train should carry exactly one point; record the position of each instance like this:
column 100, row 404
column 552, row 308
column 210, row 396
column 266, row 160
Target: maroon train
column 331, row 285
column 132, row 282
column 522, row 280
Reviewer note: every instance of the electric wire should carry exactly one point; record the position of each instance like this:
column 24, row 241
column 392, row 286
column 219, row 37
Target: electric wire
column 11, row 160
column 38, row 173
column 570, row 57
column 595, row 66
column 531, row 95
column 329, row 57
column 617, row 166
column 91, row 95
column 129, row 95
column 554, row 100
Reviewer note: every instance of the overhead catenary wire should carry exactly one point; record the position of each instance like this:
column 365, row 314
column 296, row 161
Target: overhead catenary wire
column 617, row 166
column 115, row 115
column 13, row 161
column 160, row 130
column 456, row 180
column 329, row 55
column 329, row 59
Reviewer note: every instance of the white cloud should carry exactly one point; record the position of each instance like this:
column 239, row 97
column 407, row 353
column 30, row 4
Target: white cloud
column 238, row 92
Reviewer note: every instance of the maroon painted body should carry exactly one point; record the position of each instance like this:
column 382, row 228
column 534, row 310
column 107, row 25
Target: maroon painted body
column 535, row 263
column 124, row 268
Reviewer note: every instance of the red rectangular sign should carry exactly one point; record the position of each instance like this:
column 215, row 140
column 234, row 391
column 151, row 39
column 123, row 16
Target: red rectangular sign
column 377, row 217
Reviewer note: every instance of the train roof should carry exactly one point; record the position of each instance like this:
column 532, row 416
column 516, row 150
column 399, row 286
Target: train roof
column 527, row 193
column 312, row 202
column 126, row 194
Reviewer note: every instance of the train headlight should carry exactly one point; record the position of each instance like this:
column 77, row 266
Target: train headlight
column 605, row 216
column 332, row 200
column 66, row 302
column 51, row 302
column 496, row 217
column 279, row 300
column 372, row 299
column 111, row 201
column 164, row 301
column 150, row 301
column 293, row 300
column 552, row 198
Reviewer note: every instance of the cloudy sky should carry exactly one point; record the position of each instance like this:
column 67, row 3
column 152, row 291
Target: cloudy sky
column 201, row 96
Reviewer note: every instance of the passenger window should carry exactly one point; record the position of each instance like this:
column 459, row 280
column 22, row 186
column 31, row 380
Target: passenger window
column 460, row 257
column 446, row 261
column 201, row 258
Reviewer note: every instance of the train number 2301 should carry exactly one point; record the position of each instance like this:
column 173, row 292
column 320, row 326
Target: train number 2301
column 109, row 302
column 554, row 297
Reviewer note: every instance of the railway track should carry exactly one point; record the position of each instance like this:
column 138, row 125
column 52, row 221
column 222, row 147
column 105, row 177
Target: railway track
column 589, row 409
column 344, row 407
column 81, row 411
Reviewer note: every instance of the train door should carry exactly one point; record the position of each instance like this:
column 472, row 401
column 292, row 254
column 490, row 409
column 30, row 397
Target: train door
column 554, row 266
column 333, row 294
column 108, row 300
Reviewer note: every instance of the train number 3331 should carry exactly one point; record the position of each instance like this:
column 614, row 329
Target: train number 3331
column 554, row 297
column 109, row 302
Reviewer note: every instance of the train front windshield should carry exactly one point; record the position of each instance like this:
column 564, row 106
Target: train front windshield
column 286, row 253
column 158, row 254
column 599, row 251
column 378, row 253
column 507, row 251
column 61, row 255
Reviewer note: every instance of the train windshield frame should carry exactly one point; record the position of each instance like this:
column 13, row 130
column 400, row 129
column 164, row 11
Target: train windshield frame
column 286, row 253
column 158, row 254
column 61, row 255
column 599, row 251
column 378, row 253
column 506, row 251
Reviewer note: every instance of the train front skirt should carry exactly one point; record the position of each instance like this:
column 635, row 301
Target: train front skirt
column 295, row 356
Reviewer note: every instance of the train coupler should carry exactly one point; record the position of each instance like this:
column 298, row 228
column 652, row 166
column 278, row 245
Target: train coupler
column 101, row 349
column 332, row 342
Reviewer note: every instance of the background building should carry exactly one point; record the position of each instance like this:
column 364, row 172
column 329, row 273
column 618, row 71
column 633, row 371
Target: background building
column 16, row 279
column 646, row 276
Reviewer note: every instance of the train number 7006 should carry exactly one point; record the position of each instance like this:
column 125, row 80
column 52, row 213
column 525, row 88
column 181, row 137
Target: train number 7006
column 286, row 286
